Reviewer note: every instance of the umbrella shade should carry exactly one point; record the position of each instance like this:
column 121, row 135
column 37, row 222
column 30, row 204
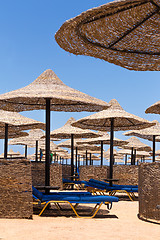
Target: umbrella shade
column 114, row 118
column 122, row 120
column 66, row 131
column 12, row 134
column 135, row 143
column 105, row 138
column 49, row 86
column 16, row 121
column 126, row 33
column 67, row 144
column 154, row 108
column 33, row 135
column 147, row 133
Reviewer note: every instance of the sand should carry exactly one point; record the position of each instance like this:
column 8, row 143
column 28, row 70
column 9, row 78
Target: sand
column 120, row 223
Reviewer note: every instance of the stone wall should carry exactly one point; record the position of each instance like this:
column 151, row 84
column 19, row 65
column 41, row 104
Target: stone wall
column 66, row 170
column 126, row 174
column 15, row 189
column 149, row 191
column 96, row 172
column 38, row 174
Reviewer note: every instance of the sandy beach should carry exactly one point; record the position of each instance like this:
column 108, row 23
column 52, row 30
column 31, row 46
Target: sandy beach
column 121, row 222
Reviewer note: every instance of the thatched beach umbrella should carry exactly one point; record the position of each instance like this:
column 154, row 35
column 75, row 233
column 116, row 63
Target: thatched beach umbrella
column 33, row 136
column 77, row 147
column 125, row 32
column 135, row 144
column 68, row 131
column 50, row 93
column 112, row 119
column 12, row 122
column 104, row 139
column 150, row 134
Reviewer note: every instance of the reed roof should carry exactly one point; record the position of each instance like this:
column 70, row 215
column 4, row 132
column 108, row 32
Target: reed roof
column 125, row 32
column 147, row 133
column 66, row 131
column 122, row 120
column 48, row 85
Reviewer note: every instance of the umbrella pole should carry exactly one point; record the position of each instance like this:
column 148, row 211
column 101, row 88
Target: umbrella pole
column 154, row 138
column 111, row 151
column 90, row 158
column 134, row 162
column 76, row 158
column 101, row 153
column 25, row 151
column 126, row 159
column 6, row 141
column 47, row 162
column 132, row 156
column 86, row 159
column 36, row 150
column 72, row 156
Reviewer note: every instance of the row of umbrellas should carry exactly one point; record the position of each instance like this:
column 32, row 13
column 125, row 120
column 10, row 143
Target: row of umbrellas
column 50, row 92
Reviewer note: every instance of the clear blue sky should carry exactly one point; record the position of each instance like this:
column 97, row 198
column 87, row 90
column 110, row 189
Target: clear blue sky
column 28, row 47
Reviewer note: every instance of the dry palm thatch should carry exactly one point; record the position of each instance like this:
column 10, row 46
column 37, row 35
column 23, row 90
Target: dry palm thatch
column 49, row 86
column 105, row 138
column 33, row 135
column 147, row 133
column 135, row 143
column 66, row 131
column 126, row 33
column 122, row 120
column 16, row 121
column 12, row 134
column 67, row 144
column 154, row 108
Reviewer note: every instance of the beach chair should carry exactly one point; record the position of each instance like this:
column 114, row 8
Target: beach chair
column 100, row 187
column 73, row 198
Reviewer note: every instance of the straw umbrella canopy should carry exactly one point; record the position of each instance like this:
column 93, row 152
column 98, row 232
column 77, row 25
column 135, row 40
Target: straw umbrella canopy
column 12, row 122
column 113, row 118
column 124, row 32
column 150, row 134
column 68, row 131
column 77, row 147
column 12, row 134
column 11, row 153
column 135, row 144
column 104, row 139
column 33, row 136
column 50, row 93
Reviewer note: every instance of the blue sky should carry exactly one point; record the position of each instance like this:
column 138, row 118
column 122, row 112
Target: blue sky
column 28, row 47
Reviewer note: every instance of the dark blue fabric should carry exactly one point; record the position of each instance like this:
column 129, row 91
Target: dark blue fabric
column 103, row 186
column 73, row 197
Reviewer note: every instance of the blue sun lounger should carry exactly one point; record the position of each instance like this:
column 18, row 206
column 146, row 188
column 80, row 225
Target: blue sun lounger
column 73, row 197
column 95, row 185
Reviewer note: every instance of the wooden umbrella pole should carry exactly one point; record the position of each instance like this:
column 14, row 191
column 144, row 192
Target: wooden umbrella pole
column 6, row 141
column 126, row 159
column 111, row 150
column 86, row 158
column 76, row 159
column 36, row 150
column 72, row 156
column 90, row 160
column 154, row 147
column 25, row 151
column 132, row 156
column 47, row 162
column 101, row 153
